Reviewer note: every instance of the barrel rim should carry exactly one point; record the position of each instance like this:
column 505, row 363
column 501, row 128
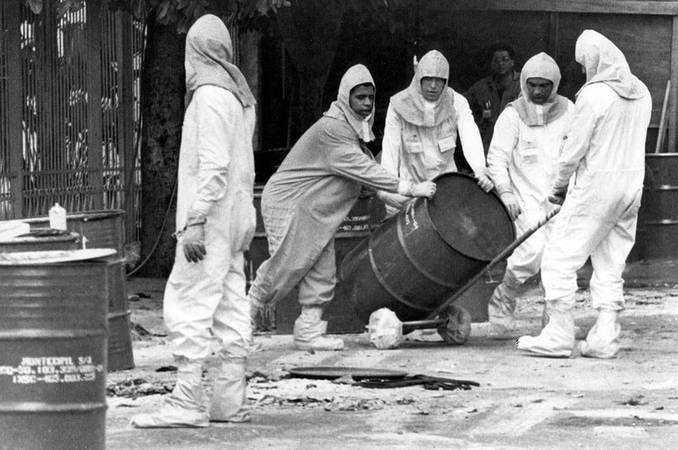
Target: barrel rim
column 99, row 214
column 662, row 155
column 43, row 407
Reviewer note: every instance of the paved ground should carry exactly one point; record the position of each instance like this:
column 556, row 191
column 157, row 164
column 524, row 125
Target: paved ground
column 522, row 402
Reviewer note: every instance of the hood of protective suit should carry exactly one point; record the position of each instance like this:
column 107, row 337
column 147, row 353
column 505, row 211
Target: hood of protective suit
column 543, row 66
column 410, row 103
column 605, row 63
column 341, row 107
column 209, row 56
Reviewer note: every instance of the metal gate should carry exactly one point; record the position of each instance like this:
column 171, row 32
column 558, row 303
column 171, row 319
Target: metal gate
column 69, row 110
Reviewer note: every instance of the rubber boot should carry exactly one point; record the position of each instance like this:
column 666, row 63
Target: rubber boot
column 556, row 338
column 229, row 393
column 309, row 331
column 579, row 332
column 603, row 338
column 500, row 310
column 184, row 407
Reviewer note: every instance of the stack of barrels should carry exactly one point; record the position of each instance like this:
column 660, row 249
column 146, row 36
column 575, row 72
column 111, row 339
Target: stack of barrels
column 62, row 327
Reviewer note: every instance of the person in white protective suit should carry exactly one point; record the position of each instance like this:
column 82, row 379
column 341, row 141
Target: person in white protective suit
column 522, row 161
column 309, row 196
column 606, row 148
column 422, row 124
column 205, row 293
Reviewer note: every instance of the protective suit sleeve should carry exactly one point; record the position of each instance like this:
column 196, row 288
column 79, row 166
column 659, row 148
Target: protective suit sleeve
column 392, row 142
column 215, row 116
column 504, row 140
column 346, row 159
column 470, row 136
column 578, row 139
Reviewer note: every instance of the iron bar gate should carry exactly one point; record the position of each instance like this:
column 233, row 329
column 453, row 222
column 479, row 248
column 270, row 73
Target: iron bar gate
column 69, row 110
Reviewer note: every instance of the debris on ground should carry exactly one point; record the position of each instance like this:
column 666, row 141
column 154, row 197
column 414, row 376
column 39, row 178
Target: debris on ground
column 636, row 400
column 138, row 387
column 355, row 404
column 429, row 383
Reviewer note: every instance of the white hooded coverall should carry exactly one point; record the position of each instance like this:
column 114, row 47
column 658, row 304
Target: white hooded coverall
column 206, row 299
column 523, row 160
column 420, row 137
column 605, row 147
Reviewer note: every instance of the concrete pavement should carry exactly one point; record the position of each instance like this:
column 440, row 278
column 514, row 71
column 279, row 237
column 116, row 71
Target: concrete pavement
column 522, row 402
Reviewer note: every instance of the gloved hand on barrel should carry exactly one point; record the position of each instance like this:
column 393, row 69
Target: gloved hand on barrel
column 410, row 189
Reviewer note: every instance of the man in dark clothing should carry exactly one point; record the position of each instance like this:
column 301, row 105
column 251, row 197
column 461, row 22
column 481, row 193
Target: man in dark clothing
column 489, row 96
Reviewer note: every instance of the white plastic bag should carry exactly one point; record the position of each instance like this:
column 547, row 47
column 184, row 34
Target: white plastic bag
column 384, row 329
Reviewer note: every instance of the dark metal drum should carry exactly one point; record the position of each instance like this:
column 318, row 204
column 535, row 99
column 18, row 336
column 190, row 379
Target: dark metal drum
column 657, row 234
column 53, row 336
column 422, row 255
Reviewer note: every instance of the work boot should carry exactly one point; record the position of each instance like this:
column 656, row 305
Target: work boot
column 603, row 338
column 500, row 310
column 229, row 393
column 184, row 407
column 555, row 340
column 309, row 331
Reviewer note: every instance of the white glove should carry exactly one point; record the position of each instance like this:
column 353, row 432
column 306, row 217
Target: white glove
column 484, row 182
column 511, row 203
column 193, row 242
column 425, row 189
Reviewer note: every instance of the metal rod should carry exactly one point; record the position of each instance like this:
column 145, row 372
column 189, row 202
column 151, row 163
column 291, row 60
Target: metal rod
column 662, row 120
column 422, row 324
column 497, row 259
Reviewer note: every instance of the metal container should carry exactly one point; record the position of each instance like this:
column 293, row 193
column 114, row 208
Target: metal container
column 422, row 255
column 657, row 234
column 101, row 229
column 53, row 338
column 120, row 354
column 70, row 241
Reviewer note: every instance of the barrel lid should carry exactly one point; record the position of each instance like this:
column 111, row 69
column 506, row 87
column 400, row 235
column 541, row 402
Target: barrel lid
column 470, row 220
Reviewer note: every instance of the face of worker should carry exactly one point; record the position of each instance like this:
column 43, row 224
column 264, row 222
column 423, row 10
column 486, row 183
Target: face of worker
column 361, row 99
column 432, row 88
column 539, row 89
column 502, row 63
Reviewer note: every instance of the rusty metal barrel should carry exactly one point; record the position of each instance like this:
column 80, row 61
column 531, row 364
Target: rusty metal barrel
column 53, row 340
column 416, row 259
column 657, row 232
